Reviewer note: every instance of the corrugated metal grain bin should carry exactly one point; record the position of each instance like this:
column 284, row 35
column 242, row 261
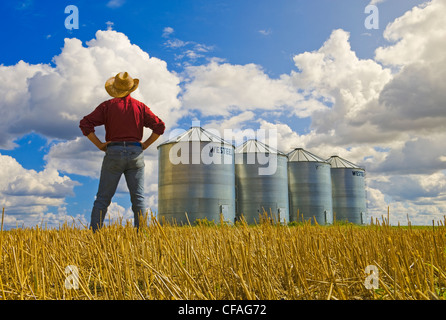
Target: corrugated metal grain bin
column 196, row 176
column 349, row 199
column 310, row 189
column 261, row 182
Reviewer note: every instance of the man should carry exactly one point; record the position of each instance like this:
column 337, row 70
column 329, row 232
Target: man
column 124, row 118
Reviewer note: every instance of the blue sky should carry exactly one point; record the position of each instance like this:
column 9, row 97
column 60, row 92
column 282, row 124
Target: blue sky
column 330, row 85
column 232, row 27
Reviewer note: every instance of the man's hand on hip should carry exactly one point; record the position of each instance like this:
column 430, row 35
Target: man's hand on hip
column 103, row 146
column 98, row 143
column 153, row 137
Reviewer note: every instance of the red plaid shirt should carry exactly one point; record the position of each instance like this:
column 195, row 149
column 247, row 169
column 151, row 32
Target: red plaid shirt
column 124, row 120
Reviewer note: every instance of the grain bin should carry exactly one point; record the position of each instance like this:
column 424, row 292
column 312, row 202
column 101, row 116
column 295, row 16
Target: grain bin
column 261, row 182
column 349, row 200
column 196, row 176
column 309, row 184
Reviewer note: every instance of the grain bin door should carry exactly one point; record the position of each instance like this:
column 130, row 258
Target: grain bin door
column 282, row 215
column 328, row 217
column 363, row 217
column 224, row 209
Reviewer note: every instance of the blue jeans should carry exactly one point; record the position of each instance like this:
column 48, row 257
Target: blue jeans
column 118, row 160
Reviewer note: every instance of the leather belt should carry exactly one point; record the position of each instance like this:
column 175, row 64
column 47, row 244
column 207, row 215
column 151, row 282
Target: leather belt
column 124, row 144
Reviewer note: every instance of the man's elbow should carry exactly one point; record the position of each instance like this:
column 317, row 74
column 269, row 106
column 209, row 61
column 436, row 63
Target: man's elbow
column 159, row 129
column 85, row 127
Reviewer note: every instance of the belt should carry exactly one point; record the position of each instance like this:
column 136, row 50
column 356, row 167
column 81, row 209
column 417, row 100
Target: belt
column 124, row 144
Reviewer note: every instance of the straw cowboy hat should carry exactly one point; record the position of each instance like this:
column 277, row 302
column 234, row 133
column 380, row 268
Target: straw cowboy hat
column 121, row 85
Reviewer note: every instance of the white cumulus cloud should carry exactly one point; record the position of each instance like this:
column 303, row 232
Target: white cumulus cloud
column 221, row 88
column 26, row 192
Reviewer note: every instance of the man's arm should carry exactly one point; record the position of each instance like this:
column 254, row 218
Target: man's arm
column 94, row 119
column 153, row 137
column 157, row 125
column 98, row 143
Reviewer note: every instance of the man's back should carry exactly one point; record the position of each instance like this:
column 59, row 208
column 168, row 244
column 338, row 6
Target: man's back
column 124, row 120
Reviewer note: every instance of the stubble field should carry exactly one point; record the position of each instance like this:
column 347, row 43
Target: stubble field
column 207, row 261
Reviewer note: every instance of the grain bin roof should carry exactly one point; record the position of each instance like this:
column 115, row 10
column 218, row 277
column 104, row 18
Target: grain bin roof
column 255, row 146
column 338, row 162
column 196, row 134
column 301, row 155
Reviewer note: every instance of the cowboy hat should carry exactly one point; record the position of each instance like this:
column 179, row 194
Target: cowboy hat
column 121, row 85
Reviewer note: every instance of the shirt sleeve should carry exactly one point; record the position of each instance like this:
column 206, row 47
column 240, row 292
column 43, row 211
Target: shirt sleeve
column 151, row 121
column 94, row 119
